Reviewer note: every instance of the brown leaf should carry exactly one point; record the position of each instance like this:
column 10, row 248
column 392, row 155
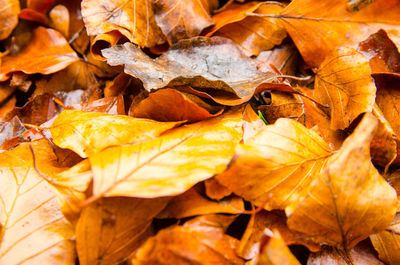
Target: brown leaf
column 192, row 203
column 350, row 200
column 252, row 34
column 319, row 27
column 109, row 230
column 34, row 231
column 132, row 18
column 200, row 62
column 275, row 167
column 344, row 82
column 284, row 58
column 46, row 53
column 387, row 242
column 170, row 164
column 199, row 241
column 8, row 17
column 183, row 19
column 87, row 133
column 171, row 105
column 214, row 190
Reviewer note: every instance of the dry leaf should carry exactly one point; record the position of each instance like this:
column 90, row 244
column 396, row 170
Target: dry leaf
column 8, row 17
column 350, row 200
column 170, row 164
column 275, row 167
column 200, row 62
column 46, row 53
column 132, row 18
column 200, row 241
column 183, row 19
column 252, row 34
column 319, row 27
column 34, row 231
column 344, row 82
column 87, row 133
column 109, row 230
column 171, row 105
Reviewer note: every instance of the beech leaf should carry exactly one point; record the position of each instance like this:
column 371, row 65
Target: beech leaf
column 8, row 17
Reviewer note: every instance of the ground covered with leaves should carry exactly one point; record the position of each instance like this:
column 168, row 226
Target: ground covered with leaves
column 199, row 132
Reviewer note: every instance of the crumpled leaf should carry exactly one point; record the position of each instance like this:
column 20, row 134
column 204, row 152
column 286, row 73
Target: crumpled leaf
column 252, row 34
column 319, row 27
column 387, row 242
column 34, row 231
column 192, row 203
column 109, row 230
column 170, row 164
column 183, row 19
column 199, row 241
column 171, row 105
column 132, row 18
column 212, row 64
column 87, row 133
column 46, row 53
column 344, row 82
column 350, row 200
column 275, row 167
column 8, row 17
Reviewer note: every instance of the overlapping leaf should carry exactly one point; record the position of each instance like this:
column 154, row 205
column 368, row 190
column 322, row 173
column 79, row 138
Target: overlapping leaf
column 8, row 17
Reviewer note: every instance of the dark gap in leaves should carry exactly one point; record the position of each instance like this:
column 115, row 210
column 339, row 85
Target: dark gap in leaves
column 237, row 228
column 300, row 252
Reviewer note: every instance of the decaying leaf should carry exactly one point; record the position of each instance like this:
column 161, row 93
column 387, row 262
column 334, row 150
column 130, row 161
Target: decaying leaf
column 132, row 18
column 199, row 241
column 166, row 165
column 34, row 231
column 344, row 82
column 200, row 62
column 8, row 17
column 350, row 200
column 108, row 231
column 46, row 53
column 275, row 167
column 87, row 133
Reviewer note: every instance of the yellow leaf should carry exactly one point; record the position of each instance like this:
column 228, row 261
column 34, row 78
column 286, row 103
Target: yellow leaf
column 170, row 164
column 344, row 82
column 109, row 230
column 87, row 133
column 350, row 200
column 34, row 231
column 132, row 18
column 276, row 166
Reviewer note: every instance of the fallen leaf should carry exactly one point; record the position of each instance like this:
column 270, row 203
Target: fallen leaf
column 214, row 190
column 284, row 58
column 252, row 34
column 59, row 19
column 192, row 203
column 109, row 105
column 132, row 18
column 171, row 105
column 200, row 62
column 165, row 166
column 33, row 230
column 387, row 242
column 109, row 230
column 350, row 200
column 252, row 123
column 319, row 27
column 183, row 19
column 275, row 167
column 8, row 17
column 199, row 241
column 344, row 82
column 87, row 133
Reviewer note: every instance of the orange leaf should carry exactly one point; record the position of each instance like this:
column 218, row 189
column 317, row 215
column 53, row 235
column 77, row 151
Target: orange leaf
column 34, row 231
column 109, row 230
column 344, row 82
column 170, row 164
column 46, row 53
column 132, row 18
column 183, row 19
column 200, row 241
column 8, row 17
column 87, row 133
column 349, row 200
